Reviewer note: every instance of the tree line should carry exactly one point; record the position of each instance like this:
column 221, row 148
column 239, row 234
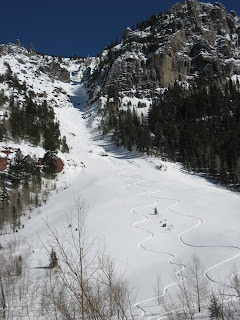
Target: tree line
column 197, row 126
column 126, row 127
column 25, row 119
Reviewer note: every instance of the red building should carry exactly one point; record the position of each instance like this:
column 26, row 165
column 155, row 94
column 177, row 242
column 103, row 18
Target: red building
column 3, row 163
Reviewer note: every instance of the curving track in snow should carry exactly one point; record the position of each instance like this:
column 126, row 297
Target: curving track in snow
column 151, row 235
column 214, row 267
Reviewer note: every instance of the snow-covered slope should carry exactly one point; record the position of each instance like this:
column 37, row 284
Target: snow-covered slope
column 121, row 190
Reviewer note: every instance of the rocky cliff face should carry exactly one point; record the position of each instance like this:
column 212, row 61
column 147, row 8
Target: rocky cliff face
column 190, row 40
column 55, row 70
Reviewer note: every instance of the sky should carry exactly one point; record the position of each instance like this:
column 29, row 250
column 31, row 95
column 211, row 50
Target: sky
column 77, row 27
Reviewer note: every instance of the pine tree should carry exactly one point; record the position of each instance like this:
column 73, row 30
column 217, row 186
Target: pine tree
column 215, row 308
column 19, row 203
column 15, row 217
column 51, row 136
column 49, row 163
column 53, row 260
column 17, row 167
column 36, row 200
column 65, row 148
column 19, row 266
column 4, row 193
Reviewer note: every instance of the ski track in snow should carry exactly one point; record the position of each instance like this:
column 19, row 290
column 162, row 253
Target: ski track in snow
column 151, row 235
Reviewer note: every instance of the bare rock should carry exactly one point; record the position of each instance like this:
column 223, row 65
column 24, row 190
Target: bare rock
column 56, row 71
column 18, row 43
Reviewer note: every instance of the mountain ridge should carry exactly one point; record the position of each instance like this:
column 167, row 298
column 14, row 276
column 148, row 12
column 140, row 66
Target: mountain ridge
column 190, row 40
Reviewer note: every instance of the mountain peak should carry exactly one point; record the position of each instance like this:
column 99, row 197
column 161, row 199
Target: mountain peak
column 190, row 40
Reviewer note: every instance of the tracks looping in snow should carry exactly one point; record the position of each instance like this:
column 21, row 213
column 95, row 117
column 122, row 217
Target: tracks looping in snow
column 151, row 235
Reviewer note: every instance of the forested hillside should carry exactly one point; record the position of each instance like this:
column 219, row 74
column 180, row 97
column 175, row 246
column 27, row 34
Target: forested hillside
column 197, row 126
column 27, row 118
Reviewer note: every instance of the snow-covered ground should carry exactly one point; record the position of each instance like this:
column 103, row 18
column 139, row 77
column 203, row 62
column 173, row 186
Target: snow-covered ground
column 121, row 190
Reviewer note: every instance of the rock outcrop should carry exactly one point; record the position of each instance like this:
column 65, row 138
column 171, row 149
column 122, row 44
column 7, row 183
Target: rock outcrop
column 56, row 71
column 191, row 39
column 50, row 67
column 18, row 43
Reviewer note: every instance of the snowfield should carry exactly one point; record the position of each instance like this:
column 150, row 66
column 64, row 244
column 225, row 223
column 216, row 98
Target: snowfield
column 121, row 190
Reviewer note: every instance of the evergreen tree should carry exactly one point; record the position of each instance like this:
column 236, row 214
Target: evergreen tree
column 4, row 192
column 17, row 122
column 49, row 163
column 65, row 148
column 19, row 203
column 18, row 266
column 15, row 217
column 17, row 167
column 51, row 136
column 215, row 309
column 53, row 260
column 36, row 200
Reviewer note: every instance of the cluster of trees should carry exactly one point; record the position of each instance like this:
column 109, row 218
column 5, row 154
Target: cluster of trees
column 192, row 295
column 22, row 169
column 77, row 57
column 35, row 123
column 78, row 282
column 21, row 185
column 12, row 79
column 27, row 120
column 147, row 23
column 126, row 127
column 3, row 100
column 198, row 126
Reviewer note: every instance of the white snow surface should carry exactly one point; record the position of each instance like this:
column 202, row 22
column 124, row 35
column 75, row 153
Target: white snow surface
column 121, row 190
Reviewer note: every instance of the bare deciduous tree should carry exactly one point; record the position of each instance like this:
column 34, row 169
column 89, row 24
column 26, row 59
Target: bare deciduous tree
column 2, row 298
column 197, row 283
column 190, row 294
column 86, row 285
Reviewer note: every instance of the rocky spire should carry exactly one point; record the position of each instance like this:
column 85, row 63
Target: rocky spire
column 18, row 43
